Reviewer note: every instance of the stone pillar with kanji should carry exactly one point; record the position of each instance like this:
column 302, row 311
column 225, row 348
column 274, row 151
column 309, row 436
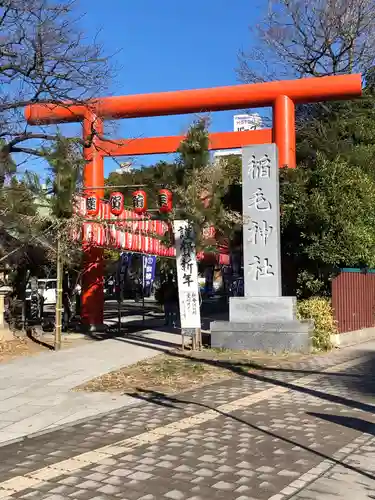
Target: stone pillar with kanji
column 263, row 318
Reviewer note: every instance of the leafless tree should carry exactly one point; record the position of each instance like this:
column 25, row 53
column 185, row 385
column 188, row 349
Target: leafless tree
column 44, row 57
column 311, row 37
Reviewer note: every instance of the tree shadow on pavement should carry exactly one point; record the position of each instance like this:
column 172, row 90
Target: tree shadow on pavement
column 161, row 399
column 132, row 337
column 358, row 424
column 354, row 381
column 363, row 382
column 133, row 329
column 30, row 334
column 262, row 371
column 143, row 329
column 332, row 398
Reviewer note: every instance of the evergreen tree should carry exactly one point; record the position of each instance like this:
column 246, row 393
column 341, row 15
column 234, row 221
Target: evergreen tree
column 202, row 189
column 327, row 222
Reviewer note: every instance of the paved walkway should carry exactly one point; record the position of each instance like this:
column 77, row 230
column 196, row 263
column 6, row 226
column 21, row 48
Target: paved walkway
column 300, row 431
column 35, row 392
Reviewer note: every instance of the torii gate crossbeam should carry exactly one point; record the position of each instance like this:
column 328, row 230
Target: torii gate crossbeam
column 281, row 95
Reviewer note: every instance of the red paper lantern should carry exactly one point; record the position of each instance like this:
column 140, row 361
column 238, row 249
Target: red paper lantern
column 139, row 202
column 92, row 204
column 165, row 201
column 116, row 202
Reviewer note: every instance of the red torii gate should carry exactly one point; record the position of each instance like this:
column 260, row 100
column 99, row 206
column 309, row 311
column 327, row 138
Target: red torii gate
column 281, row 95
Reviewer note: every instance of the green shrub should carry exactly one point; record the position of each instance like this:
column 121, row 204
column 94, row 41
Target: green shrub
column 319, row 310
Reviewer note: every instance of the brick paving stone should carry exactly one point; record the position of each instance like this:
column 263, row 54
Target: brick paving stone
column 255, row 452
column 127, row 423
column 175, row 495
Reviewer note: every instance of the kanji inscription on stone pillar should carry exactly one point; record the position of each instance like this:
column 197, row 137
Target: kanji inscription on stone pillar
column 261, row 230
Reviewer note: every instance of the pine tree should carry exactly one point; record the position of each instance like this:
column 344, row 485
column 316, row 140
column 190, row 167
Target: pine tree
column 66, row 168
column 203, row 187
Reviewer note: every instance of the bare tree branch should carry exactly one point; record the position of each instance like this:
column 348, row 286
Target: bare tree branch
column 44, row 57
column 311, row 37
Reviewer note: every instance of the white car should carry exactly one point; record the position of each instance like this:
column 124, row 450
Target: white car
column 47, row 288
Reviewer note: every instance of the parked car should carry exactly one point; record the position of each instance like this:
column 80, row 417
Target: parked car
column 47, row 288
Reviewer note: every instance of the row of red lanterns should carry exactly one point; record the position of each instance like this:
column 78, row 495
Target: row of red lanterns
column 139, row 197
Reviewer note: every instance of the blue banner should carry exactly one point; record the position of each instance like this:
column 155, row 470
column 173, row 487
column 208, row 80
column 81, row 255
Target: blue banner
column 149, row 266
column 125, row 262
column 122, row 269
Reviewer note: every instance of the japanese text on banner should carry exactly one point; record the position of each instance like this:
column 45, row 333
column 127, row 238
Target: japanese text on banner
column 187, row 275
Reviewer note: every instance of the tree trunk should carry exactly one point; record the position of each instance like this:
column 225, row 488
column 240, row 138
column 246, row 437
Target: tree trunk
column 59, row 297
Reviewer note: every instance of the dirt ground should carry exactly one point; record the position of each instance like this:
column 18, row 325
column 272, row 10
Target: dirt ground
column 26, row 347
column 18, row 347
column 178, row 371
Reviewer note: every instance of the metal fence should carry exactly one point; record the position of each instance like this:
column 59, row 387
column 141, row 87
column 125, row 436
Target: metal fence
column 353, row 299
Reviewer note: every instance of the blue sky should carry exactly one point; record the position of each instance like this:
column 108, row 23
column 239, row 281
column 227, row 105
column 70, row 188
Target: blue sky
column 171, row 45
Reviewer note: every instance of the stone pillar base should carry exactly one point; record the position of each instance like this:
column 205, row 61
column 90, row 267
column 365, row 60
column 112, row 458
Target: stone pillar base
column 262, row 309
column 262, row 324
column 286, row 336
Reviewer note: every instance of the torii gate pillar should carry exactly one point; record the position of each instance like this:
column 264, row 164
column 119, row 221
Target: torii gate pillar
column 284, row 131
column 92, row 306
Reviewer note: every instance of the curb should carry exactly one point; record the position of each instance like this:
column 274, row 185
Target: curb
column 350, row 339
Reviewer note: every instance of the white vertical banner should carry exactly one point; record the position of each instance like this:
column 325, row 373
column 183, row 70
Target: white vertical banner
column 187, row 275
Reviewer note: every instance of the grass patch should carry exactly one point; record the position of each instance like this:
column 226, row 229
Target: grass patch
column 178, row 371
